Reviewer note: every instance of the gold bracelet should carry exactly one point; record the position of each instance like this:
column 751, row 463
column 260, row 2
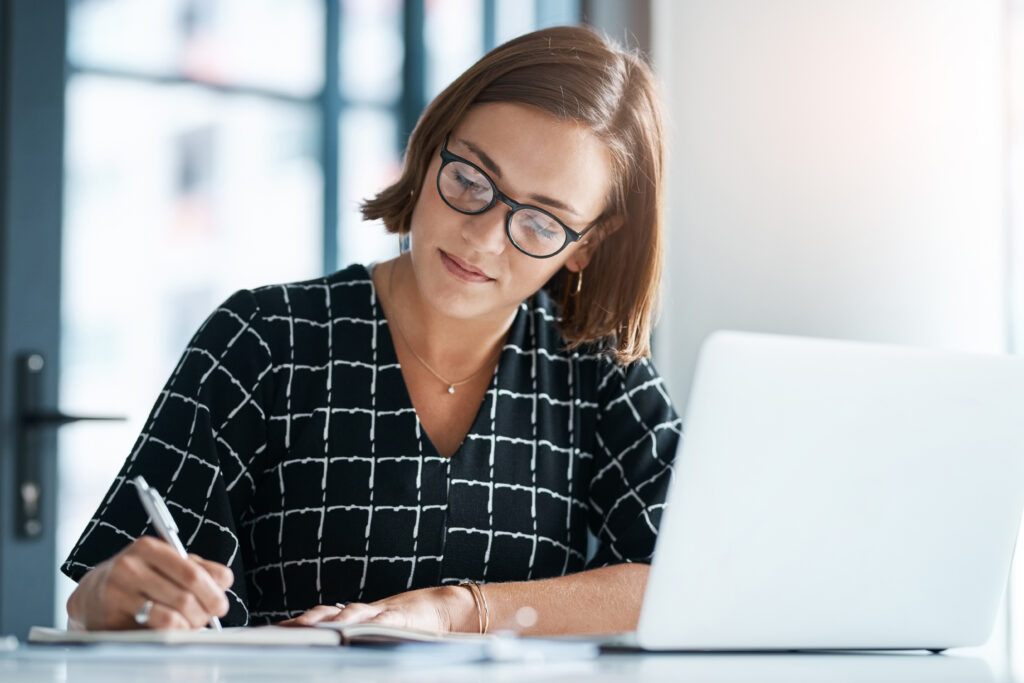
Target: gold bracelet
column 483, row 615
column 487, row 614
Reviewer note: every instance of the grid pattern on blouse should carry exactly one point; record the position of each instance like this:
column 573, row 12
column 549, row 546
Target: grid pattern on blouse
column 287, row 447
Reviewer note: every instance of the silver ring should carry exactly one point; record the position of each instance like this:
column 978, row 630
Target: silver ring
column 341, row 605
column 142, row 616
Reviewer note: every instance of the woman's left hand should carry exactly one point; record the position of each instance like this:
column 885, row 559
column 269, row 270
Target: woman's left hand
column 444, row 608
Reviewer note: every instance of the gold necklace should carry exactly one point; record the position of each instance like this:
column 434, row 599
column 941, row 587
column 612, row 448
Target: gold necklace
column 401, row 335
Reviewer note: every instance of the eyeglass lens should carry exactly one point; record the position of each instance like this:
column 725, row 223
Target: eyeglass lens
column 468, row 190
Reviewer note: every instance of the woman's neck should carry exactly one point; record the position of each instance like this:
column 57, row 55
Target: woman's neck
column 453, row 347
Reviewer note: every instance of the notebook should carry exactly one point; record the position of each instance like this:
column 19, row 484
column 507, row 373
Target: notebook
column 256, row 635
column 402, row 645
column 326, row 633
column 838, row 495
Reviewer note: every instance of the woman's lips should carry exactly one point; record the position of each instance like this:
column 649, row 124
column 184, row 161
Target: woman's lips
column 461, row 269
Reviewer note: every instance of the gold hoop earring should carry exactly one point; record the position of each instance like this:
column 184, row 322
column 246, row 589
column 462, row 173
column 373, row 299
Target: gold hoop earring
column 579, row 281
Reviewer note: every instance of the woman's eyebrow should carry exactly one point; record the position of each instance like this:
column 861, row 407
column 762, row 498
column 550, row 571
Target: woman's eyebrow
column 496, row 170
column 482, row 155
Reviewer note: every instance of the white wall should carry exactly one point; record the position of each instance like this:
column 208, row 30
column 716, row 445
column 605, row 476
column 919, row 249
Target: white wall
column 837, row 169
column 1015, row 179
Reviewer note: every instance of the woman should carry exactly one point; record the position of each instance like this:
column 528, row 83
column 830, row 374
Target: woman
column 428, row 443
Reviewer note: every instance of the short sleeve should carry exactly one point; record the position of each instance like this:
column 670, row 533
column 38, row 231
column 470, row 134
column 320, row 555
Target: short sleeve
column 199, row 447
column 637, row 435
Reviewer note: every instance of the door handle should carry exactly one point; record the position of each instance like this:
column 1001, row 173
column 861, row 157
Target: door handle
column 31, row 419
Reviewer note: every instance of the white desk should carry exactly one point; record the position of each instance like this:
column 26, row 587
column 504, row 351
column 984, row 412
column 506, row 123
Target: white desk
column 78, row 665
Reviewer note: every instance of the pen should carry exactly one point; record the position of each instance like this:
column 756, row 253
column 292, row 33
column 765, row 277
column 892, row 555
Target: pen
column 164, row 523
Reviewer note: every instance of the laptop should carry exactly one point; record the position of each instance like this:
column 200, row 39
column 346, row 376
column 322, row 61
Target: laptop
column 838, row 495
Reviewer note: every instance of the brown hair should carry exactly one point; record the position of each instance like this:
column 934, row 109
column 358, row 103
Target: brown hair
column 574, row 74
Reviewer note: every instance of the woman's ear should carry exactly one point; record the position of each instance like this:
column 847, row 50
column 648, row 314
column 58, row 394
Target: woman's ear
column 588, row 245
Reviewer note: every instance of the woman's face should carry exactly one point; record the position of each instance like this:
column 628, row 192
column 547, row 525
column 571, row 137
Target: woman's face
column 465, row 266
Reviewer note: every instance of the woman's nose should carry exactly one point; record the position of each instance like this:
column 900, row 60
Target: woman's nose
column 486, row 231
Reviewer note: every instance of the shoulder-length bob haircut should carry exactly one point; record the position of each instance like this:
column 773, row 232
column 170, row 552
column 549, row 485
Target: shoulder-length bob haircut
column 574, row 74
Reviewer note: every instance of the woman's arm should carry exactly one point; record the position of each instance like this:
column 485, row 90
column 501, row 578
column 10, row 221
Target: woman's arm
column 603, row 600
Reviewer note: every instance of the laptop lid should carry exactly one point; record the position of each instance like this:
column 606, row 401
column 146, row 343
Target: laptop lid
column 842, row 495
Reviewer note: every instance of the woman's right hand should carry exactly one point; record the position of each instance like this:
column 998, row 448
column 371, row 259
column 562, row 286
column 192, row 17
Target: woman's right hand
column 186, row 593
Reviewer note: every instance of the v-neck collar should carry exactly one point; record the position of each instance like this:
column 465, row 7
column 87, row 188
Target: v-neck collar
column 388, row 356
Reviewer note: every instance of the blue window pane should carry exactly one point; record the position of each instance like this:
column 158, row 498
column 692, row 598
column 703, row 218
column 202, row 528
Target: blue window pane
column 454, row 39
column 372, row 50
column 369, row 163
column 267, row 44
column 513, row 18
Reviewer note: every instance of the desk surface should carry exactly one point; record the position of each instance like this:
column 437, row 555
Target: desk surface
column 85, row 665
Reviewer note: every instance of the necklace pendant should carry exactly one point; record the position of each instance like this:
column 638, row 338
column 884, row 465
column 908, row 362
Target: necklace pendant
column 451, row 388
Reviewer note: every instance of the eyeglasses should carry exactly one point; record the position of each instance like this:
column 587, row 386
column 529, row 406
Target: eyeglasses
column 466, row 188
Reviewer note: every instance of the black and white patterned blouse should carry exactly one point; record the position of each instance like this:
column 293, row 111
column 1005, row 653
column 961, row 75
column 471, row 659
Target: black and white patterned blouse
column 287, row 447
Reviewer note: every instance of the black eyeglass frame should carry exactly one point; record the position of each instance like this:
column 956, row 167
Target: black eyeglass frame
column 514, row 206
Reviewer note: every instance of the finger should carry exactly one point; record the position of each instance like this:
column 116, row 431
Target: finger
column 355, row 613
column 131, row 581
column 187, row 574
column 313, row 616
column 128, row 604
column 164, row 617
column 165, row 592
column 388, row 617
column 221, row 574
column 120, row 606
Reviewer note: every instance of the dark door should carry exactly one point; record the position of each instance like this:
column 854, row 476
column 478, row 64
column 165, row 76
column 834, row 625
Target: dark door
column 31, row 157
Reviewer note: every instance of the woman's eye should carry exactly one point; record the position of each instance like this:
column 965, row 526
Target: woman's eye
column 467, row 183
column 543, row 231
